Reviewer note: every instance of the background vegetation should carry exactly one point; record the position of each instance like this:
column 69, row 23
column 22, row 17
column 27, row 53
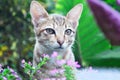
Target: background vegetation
column 17, row 36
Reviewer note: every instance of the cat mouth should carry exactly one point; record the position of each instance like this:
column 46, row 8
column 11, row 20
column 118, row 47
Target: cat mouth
column 60, row 47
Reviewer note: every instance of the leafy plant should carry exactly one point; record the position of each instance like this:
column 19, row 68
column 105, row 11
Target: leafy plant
column 8, row 74
column 90, row 41
column 30, row 70
column 69, row 73
column 16, row 31
column 67, row 67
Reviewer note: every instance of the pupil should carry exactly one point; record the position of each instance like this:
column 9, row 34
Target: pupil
column 50, row 31
column 68, row 32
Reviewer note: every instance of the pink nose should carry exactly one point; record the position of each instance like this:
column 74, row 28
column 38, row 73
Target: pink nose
column 60, row 42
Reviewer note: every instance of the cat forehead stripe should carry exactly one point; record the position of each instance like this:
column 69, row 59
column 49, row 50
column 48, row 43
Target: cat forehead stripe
column 59, row 20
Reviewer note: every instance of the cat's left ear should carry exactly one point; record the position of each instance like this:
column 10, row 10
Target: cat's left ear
column 75, row 13
column 37, row 12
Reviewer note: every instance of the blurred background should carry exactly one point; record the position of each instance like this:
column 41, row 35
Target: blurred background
column 17, row 38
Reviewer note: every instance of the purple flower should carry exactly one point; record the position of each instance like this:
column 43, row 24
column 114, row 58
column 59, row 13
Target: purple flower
column 53, row 79
column 70, row 63
column 76, row 64
column 38, row 71
column 14, row 73
column 30, row 63
column 23, row 61
column 61, row 71
column 1, row 69
column 60, row 62
column 18, row 79
column 73, row 64
column 53, row 72
column 54, row 55
column 63, row 79
column 4, row 78
column 46, row 56
column 11, row 70
column 47, row 79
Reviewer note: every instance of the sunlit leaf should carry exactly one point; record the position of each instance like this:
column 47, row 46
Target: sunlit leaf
column 1, row 53
column 90, row 41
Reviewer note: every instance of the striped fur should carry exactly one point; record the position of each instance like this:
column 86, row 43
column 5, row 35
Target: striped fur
column 47, row 43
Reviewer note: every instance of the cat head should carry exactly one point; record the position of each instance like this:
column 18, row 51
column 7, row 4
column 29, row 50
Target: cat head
column 55, row 31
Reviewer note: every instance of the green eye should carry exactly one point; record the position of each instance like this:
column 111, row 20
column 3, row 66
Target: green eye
column 68, row 32
column 50, row 31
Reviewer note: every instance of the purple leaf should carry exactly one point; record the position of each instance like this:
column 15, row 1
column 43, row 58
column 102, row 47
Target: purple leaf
column 108, row 20
column 118, row 2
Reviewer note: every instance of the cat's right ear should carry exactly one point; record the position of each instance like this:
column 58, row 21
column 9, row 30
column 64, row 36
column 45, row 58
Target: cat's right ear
column 75, row 13
column 37, row 12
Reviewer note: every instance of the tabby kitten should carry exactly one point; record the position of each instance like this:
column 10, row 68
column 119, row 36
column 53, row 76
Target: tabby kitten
column 53, row 33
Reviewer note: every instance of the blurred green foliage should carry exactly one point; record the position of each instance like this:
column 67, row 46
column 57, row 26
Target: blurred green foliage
column 16, row 31
column 90, row 42
column 17, row 36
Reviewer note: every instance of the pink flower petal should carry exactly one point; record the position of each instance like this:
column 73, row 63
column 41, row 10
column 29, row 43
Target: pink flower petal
column 60, row 62
column 55, row 54
column 70, row 63
column 76, row 64
column 46, row 56
column 46, row 79
column 30, row 63
column 53, row 72
column 23, row 61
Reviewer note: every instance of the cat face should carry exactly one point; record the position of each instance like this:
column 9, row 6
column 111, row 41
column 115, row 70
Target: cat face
column 54, row 32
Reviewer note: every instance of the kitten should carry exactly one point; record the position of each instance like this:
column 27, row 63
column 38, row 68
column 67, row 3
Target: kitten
column 53, row 33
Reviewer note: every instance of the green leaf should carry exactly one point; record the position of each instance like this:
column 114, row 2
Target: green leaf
column 5, row 72
column 90, row 40
column 11, row 77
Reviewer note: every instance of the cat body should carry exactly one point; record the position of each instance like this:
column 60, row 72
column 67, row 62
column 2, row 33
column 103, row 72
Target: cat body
column 53, row 45
column 53, row 33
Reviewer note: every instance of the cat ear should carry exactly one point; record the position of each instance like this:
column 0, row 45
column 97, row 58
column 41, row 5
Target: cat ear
column 75, row 13
column 37, row 12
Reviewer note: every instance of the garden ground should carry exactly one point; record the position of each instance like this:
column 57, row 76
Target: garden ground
column 99, row 74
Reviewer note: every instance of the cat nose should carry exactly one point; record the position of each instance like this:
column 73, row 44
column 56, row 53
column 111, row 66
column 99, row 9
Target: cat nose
column 60, row 42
